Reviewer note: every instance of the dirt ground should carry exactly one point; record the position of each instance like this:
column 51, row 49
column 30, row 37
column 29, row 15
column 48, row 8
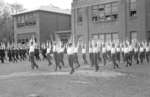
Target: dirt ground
column 18, row 80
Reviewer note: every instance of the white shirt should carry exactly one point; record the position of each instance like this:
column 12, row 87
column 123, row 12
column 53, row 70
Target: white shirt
column 113, row 50
column 32, row 48
column 122, row 49
column 54, row 48
column 90, row 50
column 130, row 48
column 48, row 50
column 126, row 50
column 76, row 50
column 95, row 49
column 147, row 48
column 141, row 49
column 108, row 48
column 60, row 50
column 136, row 49
column 103, row 50
column 118, row 49
column 83, row 50
column 70, row 50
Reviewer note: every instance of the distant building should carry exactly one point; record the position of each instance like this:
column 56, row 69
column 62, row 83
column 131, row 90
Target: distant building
column 42, row 23
column 111, row 19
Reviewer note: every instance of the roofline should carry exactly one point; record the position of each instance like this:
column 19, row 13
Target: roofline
column 36, row 10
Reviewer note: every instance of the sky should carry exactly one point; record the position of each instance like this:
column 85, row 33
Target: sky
column 30, row 4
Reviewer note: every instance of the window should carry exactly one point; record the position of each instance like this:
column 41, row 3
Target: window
column 115, row 36
column 108, row 9
column 115, row 8
column 26, row 20
column 132, row 8
column 20, row 21
column 105, row 12
column 148, row 36
column 79, row 15
column 133, row 35
column 108, row 37
column 102, row 37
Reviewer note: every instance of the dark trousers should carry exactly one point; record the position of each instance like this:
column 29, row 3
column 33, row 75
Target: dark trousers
column 118, row 56
column 10, row 58
column 147, row 56
column 70, row 61
column 84, row 58
column 2, row 56
column 49, row 58
column 95, row 57
column 61, row 58
column 76, row 61
column 114, row 60
column 130, row 57
column 91, row 59
column 14, row 57
column 37, row 57
column 127, row 59
column 104, row 58
column 123, row 57
column 32, row 60
column 57, row 60
column 99, row 57
column 142, row 57
column 108, row 55
column 2, row 59
column 136, row 57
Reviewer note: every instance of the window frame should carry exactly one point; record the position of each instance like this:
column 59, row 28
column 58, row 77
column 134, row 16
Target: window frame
column 107, row 14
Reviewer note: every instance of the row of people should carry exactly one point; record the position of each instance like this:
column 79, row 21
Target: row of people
column 98, row 52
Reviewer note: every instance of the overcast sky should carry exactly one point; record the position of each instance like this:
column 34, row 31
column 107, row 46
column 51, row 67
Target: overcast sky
column 30, row 4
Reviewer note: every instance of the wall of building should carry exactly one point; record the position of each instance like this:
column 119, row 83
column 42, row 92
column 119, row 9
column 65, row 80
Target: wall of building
column 124, row 25
column 52, row 22
column 88, row 28
column 137, row 23
column 147, row 19
column 26, row 31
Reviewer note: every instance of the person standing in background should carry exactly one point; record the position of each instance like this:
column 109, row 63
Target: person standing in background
column 32, row 45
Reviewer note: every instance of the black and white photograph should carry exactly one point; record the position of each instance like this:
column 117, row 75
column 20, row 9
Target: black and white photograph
column 74, row 48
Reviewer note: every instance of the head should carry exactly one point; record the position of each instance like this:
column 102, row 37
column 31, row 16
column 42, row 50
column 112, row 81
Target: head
column 70, row 44
column 32, row 43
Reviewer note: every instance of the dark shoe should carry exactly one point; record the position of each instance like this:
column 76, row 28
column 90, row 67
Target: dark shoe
column 77, row 66
column 72, row 71
column 114, row 67
column 97, row 68
column 127, row 65
column 37, row 67
column 59, row 67
column 49, row 64
column 55, row 69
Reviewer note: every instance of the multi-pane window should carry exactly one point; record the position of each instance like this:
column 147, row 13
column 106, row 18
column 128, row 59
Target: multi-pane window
column 132, row 8
column 26, row 20
column 133, row 35
column 115, row 36
column 105, row 12
column 115, row 11
column 102, row 37
column 79, row 15
column 106, row 37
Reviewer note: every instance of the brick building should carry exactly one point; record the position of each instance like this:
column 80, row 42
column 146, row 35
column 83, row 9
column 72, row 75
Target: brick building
column 41, row 23
column 111, row 19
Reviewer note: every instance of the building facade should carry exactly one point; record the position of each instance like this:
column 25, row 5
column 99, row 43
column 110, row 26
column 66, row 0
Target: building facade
column 40, row 23
column 111, row 19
